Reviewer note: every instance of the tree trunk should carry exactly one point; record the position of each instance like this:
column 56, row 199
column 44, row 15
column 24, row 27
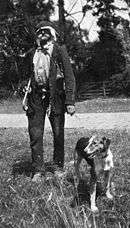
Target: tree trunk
column 62, row 24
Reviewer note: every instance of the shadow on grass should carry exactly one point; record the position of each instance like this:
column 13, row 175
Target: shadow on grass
column 22, row 167
column 82, row 191
column 25, row 167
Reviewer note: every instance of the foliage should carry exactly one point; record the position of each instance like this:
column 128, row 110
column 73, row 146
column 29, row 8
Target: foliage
column 77, row 47
column 17, row 37
column 31, row 7
column 91, row 61
column 107, row 56
column 103, row 58
column 120, row 83
column 35, row 7
column 5, row 7
column 125, row 33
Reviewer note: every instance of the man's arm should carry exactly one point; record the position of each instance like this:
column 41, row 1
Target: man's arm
column 69, row 77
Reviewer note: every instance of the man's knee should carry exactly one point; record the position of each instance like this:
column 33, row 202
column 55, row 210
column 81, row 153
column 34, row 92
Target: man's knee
column 35, row 133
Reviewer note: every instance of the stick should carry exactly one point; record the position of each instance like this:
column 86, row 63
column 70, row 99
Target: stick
column 25, row 107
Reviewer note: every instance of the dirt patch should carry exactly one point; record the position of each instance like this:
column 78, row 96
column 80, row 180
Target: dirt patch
column 84, row 120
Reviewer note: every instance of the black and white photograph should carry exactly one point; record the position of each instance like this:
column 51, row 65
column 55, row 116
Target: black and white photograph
column 64, row 113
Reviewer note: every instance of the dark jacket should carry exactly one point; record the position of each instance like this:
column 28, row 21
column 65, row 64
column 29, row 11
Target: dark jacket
column 56, row 86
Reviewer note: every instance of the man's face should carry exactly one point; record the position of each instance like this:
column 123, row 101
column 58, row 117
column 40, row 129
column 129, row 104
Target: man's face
column 43, row 37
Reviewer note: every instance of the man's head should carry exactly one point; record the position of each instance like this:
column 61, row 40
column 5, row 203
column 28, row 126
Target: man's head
column 45, row 34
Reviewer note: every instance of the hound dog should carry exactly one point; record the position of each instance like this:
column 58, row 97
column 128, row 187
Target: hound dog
column 98, row 155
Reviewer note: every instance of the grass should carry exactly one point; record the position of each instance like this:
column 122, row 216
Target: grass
column 103, row 105
column 14, row 105
column 51, row 203
column 11, row 106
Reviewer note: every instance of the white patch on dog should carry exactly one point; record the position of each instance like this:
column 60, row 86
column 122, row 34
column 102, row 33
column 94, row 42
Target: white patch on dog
column 108, row 163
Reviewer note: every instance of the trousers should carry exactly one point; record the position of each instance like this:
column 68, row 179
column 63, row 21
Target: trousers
column 37, row 110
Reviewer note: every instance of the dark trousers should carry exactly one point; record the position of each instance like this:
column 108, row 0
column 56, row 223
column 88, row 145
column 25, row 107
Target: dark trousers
column 36, row 119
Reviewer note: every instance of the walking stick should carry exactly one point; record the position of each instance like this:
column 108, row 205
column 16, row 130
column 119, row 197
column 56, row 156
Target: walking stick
column 24, row 104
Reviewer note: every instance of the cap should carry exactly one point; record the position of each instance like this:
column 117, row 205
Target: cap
column 47, row 27
column 43, row 31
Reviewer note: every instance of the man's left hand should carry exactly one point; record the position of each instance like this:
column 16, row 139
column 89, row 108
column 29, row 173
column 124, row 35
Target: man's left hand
column 70, row 109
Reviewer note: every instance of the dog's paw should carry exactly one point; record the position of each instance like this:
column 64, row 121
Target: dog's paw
column 109, row 195
column 94, row 209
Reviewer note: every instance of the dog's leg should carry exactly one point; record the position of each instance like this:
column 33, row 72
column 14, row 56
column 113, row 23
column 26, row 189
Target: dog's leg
column 107, row 180
column 93, row 185
column 77, row 161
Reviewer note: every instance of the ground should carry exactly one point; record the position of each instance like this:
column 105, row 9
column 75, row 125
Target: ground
column 52, row 203
column 14, row 105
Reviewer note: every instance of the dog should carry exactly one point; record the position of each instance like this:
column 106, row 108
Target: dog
column 98, row 155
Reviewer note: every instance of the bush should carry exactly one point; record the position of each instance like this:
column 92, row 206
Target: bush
column 120, row 83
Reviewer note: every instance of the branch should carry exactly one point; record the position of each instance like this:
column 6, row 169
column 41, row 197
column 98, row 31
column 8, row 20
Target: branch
column 73, row 6
column 81, row 20
column 70, row 14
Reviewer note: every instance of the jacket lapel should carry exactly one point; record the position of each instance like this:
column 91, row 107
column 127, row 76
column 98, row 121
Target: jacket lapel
column 53, row 71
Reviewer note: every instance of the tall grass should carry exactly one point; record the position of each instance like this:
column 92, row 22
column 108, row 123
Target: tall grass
column 47, row 204
column 58, row 202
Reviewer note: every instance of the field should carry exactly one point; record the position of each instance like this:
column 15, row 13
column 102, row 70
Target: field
column 58, row 203
column 14, row 105
column 103, row 105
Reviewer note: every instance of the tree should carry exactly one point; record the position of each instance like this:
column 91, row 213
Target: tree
column 62, row 20
column 77, row 48
column 107, row 57
column 17, row 32
column 109, row 53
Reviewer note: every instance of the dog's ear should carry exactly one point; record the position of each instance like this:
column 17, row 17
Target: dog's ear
column 91, row 139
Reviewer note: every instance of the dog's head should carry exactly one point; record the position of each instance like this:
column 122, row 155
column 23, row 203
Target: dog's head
column 97, row 147
column 104, row 145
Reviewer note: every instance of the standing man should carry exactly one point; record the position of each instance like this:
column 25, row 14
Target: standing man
column 52, row 93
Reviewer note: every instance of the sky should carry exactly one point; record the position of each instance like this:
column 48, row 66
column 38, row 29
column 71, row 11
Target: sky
column 89, row 22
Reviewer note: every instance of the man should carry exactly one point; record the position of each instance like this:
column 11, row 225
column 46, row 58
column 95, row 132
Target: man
column 52, row 93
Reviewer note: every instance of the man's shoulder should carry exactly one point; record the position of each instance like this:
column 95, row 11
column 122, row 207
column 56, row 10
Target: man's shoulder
column 32, row 51
column 60, row 47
